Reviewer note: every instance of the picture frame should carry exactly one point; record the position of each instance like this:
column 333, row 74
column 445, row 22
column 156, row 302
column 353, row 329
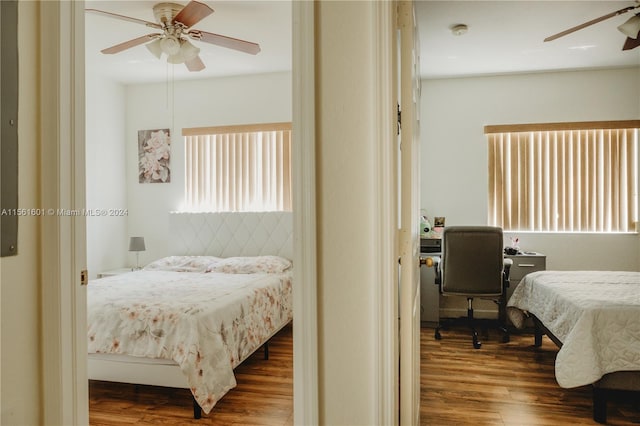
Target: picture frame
column 154, row 156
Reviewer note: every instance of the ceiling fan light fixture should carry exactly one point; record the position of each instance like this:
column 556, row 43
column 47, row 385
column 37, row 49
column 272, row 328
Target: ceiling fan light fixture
column 631, row 28
column 178, row 58
column 188, row 50
column 170, row 45
column 155, row 48
column 175, row 22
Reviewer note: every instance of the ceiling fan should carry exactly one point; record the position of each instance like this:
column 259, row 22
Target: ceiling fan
column 175, row 22
column 631, row 28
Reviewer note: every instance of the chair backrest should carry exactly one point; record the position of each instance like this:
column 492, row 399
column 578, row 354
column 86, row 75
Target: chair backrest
column 472, row 260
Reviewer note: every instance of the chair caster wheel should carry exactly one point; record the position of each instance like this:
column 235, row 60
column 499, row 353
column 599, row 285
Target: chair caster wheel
column 506, row 338
column 476, row 344
column 437, row 335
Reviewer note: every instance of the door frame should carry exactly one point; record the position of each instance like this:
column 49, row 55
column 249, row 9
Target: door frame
column 384, row 407
column 385, row 215
column 305, row 312
column 409, row 209
column 63, row 238
column 65, row 382
column 63, row 255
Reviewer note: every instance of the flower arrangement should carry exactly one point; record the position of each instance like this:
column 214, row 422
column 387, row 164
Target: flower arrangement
column 514, row 242
column 513, row 249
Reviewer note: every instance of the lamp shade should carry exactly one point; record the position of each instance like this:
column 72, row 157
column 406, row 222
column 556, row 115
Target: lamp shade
column 631, row 28
column 170, row 45
column 155, row 48
column 136, row 244
column 188, row 50
column 178, row 50
column 176, row 59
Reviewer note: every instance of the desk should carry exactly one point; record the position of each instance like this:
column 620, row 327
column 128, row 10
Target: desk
column 429, row 291
column 429, row 294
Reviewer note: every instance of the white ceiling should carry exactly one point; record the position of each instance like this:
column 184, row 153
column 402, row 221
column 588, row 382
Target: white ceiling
column 507, row 37
column 503, row 37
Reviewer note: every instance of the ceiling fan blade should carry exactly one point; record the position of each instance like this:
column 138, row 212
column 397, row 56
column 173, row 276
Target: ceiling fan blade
column 193, row 13
column 129, row 44
column 125, row 18
column 224, row 41
column 589, row 23
column 195, row 64
column 631, row 43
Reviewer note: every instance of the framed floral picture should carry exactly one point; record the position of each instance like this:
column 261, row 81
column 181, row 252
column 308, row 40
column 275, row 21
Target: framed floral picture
column 154, row 153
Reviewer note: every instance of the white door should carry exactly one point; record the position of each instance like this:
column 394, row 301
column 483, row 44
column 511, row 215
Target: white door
column 409, row 214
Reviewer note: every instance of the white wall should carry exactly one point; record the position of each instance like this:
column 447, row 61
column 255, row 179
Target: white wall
column 115, row 113
column 454, row 155
column 346, row 193
column 106, row 174
column 247, row 99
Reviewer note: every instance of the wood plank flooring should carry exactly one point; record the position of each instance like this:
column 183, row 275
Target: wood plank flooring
column 263, row 396
column 499, row 384
column 503, row 384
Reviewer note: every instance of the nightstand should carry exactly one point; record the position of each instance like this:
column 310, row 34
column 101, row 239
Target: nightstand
column 113, row 272
column 524, row 264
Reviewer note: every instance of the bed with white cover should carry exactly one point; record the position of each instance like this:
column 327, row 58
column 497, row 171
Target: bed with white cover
column 189, row 319
column 594, row 317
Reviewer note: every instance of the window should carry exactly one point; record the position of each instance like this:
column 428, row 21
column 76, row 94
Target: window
column 564, row 177
column 238, row 168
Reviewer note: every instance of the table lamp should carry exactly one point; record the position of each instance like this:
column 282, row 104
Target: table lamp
column 136, row 244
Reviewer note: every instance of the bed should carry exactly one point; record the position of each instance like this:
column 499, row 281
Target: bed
column 594, row 318
column 187, row 320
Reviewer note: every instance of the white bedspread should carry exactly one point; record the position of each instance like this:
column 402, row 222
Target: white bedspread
column 206, row 322
column 595, row 314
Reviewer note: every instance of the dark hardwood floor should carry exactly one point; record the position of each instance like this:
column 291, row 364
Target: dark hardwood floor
column 503, row 384
column 499, row 384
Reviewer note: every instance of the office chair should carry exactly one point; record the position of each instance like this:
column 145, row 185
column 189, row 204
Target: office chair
column 473, row 265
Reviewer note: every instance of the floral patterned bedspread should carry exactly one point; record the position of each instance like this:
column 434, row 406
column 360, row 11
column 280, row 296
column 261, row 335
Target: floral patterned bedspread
column 206, row 322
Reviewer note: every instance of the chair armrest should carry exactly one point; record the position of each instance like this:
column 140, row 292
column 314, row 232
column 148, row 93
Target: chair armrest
column 506, row 263
column 506, row 269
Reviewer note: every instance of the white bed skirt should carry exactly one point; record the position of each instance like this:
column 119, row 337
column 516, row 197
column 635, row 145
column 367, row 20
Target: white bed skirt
column 136, row 370
column 144, row 371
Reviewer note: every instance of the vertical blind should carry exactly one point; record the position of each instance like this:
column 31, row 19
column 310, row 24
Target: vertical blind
column 238, row 168
column 564, row 180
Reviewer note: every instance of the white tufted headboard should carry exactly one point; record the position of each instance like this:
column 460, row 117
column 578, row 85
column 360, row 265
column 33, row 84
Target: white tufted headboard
column 231, row 234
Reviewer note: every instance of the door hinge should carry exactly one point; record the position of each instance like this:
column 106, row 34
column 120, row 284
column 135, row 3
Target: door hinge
column 399, row 119
column 84, row 277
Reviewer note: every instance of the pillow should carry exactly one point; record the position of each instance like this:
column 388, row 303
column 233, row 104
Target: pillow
column 251, row 265
column 182, row 263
